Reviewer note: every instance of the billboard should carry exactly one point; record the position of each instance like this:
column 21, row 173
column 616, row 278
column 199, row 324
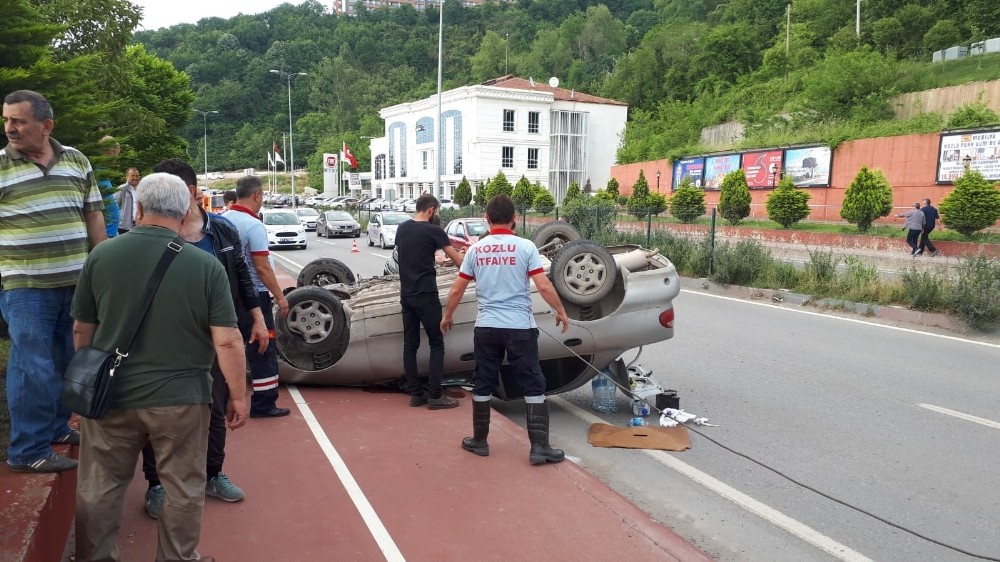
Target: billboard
column 809, row 166
column 762, row 168
column 689, row 168
column 716, row 168
column 982, row 148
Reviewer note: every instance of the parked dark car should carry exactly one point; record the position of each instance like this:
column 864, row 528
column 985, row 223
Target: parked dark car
column 337, row 223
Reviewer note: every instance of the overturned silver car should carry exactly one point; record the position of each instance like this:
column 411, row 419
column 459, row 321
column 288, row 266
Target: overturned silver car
column 342, row 332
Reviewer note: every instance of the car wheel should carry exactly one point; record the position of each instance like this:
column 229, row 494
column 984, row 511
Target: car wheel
column 583, row 272
column 325, row 271
column 381, row 241
column 370, row 242
column 552, row 236
column 357, row 235
column 315, row 333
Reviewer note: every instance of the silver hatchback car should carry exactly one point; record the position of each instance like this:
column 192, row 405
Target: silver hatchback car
column 342, row 332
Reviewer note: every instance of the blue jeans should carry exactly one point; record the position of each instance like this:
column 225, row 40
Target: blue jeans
column 41, row 338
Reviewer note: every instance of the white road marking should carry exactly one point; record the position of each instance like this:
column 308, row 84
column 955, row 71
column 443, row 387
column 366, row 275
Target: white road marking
column 288, row 260
column 381, row 256
column 375, row 526
column 853, row 320
column 800, row 530
column 961, row 416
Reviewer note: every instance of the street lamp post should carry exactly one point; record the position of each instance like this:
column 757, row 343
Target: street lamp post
column 439, row 153
column 657, row 181
column 774, row 171
column 291, row 143
column 204, row 115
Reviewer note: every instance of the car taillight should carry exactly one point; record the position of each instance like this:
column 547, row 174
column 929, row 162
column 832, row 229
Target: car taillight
column 667, row 318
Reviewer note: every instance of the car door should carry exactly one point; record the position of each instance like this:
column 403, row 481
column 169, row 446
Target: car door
column 374, row 226
column 321, row 224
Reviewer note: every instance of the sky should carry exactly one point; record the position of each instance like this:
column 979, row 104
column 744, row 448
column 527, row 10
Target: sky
column 164, row 13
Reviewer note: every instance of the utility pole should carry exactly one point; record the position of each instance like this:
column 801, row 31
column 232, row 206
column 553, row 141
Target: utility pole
column 506, row 50
column 788, row 37
column 857, row 21
column 440, row 144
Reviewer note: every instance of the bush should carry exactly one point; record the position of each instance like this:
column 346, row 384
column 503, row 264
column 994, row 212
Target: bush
column 657, row 203
column 740, row 264
column 463, row 193
column 734, row 200
column 590, row 216
column 973, row 115
column 622, row 200
column 976, row 295
column 572, row 192
column 925, row 290
column 479, row 198
column 612, row 187
column 787, row 205
column 638, row 204
column 544, row 203
column 867, row 198
column 822, row 267
column 688, row 202
column 973, row 205
column 523, row 194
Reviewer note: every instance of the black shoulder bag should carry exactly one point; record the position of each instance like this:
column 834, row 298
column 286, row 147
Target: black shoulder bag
column 89, row 382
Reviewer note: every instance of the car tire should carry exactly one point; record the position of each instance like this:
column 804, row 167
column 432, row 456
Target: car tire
column 357, row 235
column 381, row 242
column 315, row 334
column 325, row 271
column 583, row 272
column 370, row 241
column 555, row 233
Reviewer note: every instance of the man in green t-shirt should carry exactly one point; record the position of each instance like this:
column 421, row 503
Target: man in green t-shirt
column 163, row 386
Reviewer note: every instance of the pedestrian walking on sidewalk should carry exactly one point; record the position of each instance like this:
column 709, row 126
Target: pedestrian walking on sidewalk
column 418, row 240
column 914, row 226
column 930, row 221
column 502, row 265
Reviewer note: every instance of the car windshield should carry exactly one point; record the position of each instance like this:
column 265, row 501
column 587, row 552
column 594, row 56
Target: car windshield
column 338, row 216
column 306, row 213
column 281, row 218
column 395, row 218
column 477, row 228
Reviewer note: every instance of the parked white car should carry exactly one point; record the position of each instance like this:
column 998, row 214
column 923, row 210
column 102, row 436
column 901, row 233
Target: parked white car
column 308, row 217
column 382, row 228
column 284, row 229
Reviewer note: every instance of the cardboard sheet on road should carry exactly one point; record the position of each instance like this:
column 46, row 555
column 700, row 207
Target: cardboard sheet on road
column 662, row 438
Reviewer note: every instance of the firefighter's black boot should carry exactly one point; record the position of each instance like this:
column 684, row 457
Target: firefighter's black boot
column 480, row 429
column 537, row 416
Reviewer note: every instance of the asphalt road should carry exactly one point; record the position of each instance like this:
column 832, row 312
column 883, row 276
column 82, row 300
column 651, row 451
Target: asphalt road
column 896, row 421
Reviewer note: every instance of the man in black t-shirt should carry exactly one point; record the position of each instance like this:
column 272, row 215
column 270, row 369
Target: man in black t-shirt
column 417, row 240
column 930, row 221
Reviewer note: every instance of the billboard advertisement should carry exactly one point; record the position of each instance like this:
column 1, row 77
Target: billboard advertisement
column 689, row 168
column 809, row 166
column 763, row 168
column 716, row 168
column 982, row 148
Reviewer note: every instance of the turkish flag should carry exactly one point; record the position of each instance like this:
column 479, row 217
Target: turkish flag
column 350, row 157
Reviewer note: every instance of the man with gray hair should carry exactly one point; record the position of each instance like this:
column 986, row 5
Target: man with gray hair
column 163, row 387
column 51, row 214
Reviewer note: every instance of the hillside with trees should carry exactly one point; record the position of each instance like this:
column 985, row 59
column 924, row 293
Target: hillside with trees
column 680, row 64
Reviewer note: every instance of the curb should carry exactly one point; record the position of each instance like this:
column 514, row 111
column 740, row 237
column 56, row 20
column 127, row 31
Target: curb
column 37, row 511
column 892, row 313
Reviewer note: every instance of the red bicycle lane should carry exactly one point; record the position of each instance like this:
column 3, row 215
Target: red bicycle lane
column 356, row 475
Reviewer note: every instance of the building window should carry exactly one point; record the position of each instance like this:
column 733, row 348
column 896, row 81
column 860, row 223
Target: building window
column 426, row 159
column 507, row 160
column 533, row 119
column 425, row 130
column 532, row 158
column 508, row 120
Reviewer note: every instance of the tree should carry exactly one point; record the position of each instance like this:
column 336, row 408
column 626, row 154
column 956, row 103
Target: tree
column 481, row 195
column 463, row 193
column 523, row 194
column 888, row 34
column 734, row 200
column 591, row 216
column 572, row 192
column 544, row 203
column 688, row 202
column 612, row 187
column 498, row 185
column 867, row 198
column 638, row 204
column 973, row 205
column 943, row 34
column 787, row 205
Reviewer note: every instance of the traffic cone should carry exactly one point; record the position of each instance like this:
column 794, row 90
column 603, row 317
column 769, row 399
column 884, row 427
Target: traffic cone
column 354, row 246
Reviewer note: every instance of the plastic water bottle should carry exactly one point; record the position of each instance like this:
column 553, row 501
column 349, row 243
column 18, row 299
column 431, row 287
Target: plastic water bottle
column 638, row 421
column 604, row 395
column 640, row 407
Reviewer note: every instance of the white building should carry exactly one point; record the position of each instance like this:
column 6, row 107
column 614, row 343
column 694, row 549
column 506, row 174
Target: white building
column 521, row 127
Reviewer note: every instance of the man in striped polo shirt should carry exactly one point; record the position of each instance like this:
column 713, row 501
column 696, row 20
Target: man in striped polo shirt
column 51, row 214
